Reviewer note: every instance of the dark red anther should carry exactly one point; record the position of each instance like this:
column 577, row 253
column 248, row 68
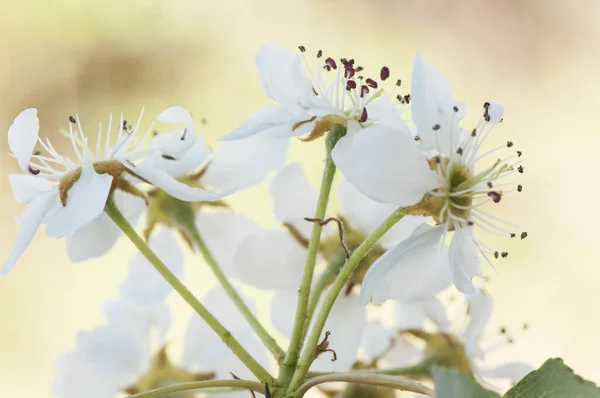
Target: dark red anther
column 331, row 62
column 351, row 62
column 319, row 53
column 350, row 84
column 33, row 171
column 348, row 71
column 72, row 119
column 364, row 116
column 371, row 83
column 364, row 90
column 385, row 73
column 495, row 196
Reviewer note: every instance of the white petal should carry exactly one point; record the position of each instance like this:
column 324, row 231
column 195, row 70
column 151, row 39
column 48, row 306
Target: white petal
column 86, row 201
column 464, row 259
column 283, row 308
column 435, row 311
column 99, row 236
column 26, row 187
column 495, row 112
column 346, row 323
column 223, row 231
column 384, row 164
column 29, row 222
column 414, row 270
column 375, row 341
column 177, row 114
column 480, row 311
column 144, row 286
column 186, row 162
column 267, row 117
column 275, row 67
column 270, row 259
column 164, row 181
column 23, row 135
column 410, row 315
column 431, row 101
column 514, row 371
column 404, row 353
column 293, row 198
column 113, row 351
column 385, row 111
column 246, row 162
column 140, row 322
column 367, row 214
column 75, row 378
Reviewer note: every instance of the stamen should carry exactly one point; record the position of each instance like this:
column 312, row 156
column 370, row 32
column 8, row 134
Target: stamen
column 385, row 73
column 523, row 235
column 371, row 83
column 364, row 116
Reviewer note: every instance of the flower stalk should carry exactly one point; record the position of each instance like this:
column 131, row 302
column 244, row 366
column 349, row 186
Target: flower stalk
column 373, row 379
column 258, row 328
column 291, row 359
column 310, row 350
column 199, row 385
column 256, row 368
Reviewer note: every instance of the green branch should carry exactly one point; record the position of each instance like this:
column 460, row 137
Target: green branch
column 198, row 385
column 256, row 368
column 311, row 346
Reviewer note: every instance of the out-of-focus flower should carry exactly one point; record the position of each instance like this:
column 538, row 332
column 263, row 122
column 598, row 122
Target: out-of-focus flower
column 443, row 178
column 67, row 195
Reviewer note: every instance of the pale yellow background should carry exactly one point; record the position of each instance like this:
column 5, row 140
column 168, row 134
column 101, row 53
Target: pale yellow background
column 541, row 59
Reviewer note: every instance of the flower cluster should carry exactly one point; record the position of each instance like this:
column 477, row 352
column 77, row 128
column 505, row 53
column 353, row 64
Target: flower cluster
column 416, row 188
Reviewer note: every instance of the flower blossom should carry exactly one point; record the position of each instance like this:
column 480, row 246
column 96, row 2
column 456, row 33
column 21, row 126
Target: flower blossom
column 67, row 195
column 435, row 171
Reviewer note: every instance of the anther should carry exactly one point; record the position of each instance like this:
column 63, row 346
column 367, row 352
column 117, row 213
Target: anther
column 330, row 61
column 474, row 133
column 504, row 254
column 302, row 48
column 417, row 138
column 72, row 120
column 350, row 85
column 495, row 196
column 520, row 169
column 364, row 116
column 399, row 82
column 512, row 235
column 523, row 235
column 509, row 144
column 525, row 326
column 385, row 73
column 37, row 153
column 33, row 171
column 344, row 61
column 519, row 153
column 168, row 157
column 363, row 91
column 371, row 83
column 489, row 184
column 319, row 53
column 437, row 159
column 455, row 108
column 486, row 105
column 459, row 151
column 519, row 188
column 359, row 68
column 503, row 330
column 407, row 98
column 124, row 126
column 436, row 127
column 470, row 223
column 496, row 254
column 348, row 72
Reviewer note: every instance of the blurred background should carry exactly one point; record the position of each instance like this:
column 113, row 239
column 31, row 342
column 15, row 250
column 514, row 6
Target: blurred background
column 540, row 58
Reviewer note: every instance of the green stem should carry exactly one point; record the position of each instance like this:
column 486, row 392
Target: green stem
column 373, row 379
column 256, row 368
column 333, row 268
column 291, row 359
column 261, row 332
column 418, row 370
column 198, row 385
column 311, row 347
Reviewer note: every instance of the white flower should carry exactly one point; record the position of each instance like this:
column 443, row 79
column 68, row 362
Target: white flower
column 311, row 100
column 67, row 195
column 442, row 177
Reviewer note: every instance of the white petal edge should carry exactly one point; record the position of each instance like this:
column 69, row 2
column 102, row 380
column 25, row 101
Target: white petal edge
column 177, row 114
column 464, row 259
column 23, row 135
column 29, row 222
column 26, row 187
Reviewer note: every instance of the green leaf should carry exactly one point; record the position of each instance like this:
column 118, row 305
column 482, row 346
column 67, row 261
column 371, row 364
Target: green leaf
column 553, row 380
column 451, row 383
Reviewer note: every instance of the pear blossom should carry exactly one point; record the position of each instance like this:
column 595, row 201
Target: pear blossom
column 438, row 171
column 312, row 100
column 68, row 194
